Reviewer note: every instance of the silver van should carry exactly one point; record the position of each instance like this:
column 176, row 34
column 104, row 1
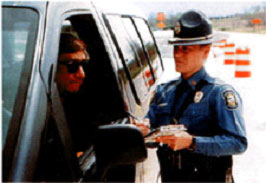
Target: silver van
column 37, row 140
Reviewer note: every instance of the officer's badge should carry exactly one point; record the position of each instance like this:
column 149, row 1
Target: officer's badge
column 198, row 96
column 230, row 99
column 177, row 28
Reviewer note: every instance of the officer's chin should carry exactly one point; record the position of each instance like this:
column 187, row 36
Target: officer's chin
column 178, row 68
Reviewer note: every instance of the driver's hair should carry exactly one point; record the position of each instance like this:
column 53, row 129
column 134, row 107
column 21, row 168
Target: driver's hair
column 70, row 44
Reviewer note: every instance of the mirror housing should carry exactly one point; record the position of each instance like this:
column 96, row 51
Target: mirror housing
column 118, row 144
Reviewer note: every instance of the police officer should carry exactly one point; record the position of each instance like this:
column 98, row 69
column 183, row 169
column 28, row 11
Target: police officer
column 209, row 109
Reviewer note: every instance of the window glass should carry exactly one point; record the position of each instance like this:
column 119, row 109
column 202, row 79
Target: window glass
column 135, row 41
column 18, row 37
column 124, row 42
column 149, row 43
column 130, row 46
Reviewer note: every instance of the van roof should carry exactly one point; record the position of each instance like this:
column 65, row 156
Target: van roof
column 107, row 7
column 40, row 5
column 118, row 7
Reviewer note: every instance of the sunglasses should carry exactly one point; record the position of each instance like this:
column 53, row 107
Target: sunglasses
column 73, row 65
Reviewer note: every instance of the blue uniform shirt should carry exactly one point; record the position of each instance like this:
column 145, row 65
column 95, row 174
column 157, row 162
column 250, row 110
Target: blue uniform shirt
column 214, row 118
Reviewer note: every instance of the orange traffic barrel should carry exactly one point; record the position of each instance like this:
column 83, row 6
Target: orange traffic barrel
column 161, row 25
column 242, row 63
column 220, row 44
column 160, row 16
column 229, row 53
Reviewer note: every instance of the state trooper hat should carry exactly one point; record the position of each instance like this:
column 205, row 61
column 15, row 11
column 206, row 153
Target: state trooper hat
column 193, row 28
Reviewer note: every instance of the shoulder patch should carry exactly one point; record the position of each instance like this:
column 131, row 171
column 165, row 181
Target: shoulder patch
column 230, row 99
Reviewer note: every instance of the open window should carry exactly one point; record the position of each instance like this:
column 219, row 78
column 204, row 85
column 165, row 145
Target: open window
column 99, row 100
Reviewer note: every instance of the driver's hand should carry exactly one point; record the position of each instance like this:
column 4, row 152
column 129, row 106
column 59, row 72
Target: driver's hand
column 143, row 125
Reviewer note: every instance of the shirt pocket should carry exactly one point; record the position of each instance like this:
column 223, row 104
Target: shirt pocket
column 163, row 114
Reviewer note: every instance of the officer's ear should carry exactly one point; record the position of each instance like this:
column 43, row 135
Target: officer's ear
column 206, row 50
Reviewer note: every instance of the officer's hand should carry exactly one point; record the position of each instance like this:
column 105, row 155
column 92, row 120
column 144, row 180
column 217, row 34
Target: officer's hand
column 178, row 141
column 144, row 126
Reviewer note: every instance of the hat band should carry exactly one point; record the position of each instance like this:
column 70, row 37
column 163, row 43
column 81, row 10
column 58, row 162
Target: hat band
column 193, row 39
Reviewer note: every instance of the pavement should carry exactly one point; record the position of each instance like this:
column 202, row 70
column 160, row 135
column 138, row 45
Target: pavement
column 249, row 167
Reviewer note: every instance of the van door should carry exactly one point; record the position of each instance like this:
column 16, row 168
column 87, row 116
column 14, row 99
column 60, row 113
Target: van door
column 98, row 102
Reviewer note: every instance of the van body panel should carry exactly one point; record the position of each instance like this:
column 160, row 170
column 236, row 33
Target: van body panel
column 27, row 117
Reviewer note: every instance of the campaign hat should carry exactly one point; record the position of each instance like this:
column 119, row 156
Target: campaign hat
column 193, row 28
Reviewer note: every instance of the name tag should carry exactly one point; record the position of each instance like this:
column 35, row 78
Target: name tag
column 162, row 104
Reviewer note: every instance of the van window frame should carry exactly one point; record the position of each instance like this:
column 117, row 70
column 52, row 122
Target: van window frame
column 121, row 56
column 154, row 41
column 16, row 121
column 142, row 44
column 152, row 67
column 153, row 70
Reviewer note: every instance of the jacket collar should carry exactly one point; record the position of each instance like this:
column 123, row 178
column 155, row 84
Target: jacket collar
column 199, row 75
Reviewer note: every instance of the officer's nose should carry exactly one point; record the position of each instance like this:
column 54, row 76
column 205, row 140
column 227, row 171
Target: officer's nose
column 80, row 73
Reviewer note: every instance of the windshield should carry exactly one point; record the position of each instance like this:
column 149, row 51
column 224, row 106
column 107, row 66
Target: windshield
column 19, row 28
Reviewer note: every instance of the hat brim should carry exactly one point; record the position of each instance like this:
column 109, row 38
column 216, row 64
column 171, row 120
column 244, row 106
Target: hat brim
column 214, row 39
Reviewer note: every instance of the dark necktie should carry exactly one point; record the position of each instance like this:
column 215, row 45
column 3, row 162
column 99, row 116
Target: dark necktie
column 183, row 91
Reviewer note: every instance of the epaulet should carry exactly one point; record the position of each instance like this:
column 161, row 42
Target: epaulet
column 218, row 82
column 222, row 85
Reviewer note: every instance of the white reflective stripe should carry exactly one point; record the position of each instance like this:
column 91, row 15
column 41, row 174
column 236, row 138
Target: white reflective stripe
column 219, row 44
column 231, row 57
column 224, row 49
column 243, row 68
column 229, row 49
column 242, row 56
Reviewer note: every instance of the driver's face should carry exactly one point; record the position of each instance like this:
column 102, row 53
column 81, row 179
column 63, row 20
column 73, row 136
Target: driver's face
column 70, row 72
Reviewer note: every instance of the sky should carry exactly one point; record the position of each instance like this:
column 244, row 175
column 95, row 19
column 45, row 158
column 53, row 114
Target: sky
column 210, row 7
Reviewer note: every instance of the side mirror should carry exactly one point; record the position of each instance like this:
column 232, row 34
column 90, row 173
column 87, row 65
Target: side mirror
column 118, row 144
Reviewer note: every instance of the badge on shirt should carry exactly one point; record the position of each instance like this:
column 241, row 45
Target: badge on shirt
column 198, row 96
column 230, row 99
